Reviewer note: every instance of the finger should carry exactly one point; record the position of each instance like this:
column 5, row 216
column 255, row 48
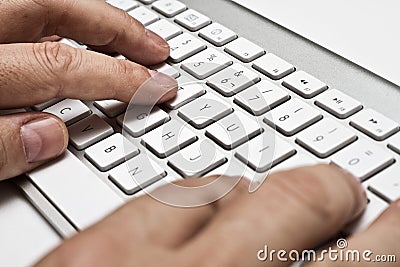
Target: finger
column 378, row 244
column 34, row 73
column 92, row 22
column 29, row 139
column 296, row 209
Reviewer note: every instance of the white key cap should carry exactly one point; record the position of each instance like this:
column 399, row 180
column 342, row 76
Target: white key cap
column 326, row 137
column 184, row 46
column 187, row 91
column 206, row 63
column 69, row 111
column 192, row 20
column 204, row 111
column 89, row 131
column 167, row 69
column 374, row 208
column 147, row 2
column 233, row 79
column 169, row 139
column 293, row 116
column 75, row 190
column 261, row 97
column 111, row 152
column 265, row 151
column 394, row 143
column 136, row 174
column 374, row 124
column 244, row 50
column 72, row 43
column 165, row 29
column 197, row 160
column 296, row 161
column 304, row 84
column 233, row 130
column 217, row 34
column 338, row 104
column 144, row 15
column 112, row 108
column 273, row 66
column 169, row 8
column 386, row 184
column 123, row 4
column 363, row 159
column 42, row 106
column 141, row 121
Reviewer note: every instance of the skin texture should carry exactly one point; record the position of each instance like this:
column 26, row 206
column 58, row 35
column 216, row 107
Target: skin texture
column 297, row 209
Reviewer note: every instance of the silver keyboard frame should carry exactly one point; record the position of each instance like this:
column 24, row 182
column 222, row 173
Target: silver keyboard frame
column 371, row 90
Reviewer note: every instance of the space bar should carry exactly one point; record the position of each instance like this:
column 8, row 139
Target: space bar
column 75, row 191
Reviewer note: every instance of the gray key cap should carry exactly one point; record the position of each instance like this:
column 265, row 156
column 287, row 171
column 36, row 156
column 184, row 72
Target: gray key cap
column 233, row 130
column 139, row 120
column 204, row 111
column 233, row 79
column 69, row 111
column 197, row 160
column 136, row 174
column 206, row 63
column 89, row 131
column 112, row 108
column 42, row 106
column 111, row 152
column 261, row 97
column 168, row 139
column 386, row 184
column 75, row 190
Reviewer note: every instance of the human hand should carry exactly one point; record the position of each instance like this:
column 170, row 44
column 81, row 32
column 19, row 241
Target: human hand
column 292, row 210
column 32, row 73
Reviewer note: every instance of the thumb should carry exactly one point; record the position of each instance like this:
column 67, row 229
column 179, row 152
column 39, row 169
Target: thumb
column 29, row 139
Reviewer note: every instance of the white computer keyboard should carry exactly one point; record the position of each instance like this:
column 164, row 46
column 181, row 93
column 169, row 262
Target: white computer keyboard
column 235, row 79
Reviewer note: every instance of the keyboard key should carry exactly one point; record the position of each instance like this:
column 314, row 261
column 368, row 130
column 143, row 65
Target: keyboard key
column 197, row 160
column 144, row 15
column 184, row 46
column 169, row 8
column 140, row 120
column 338, row 104
column 69, row 111
column 217, row 34
column 374, row 124
column 293, row 116
column 304, row 84
column 147, row 2
column 167, row 70
column 206, row 63
column 386, row 184
column 42, row 106
column 394, row 143
column 244, row 50
column 75, row 190
column 261, row 97
column 123, row 4
column 136, row 174
column 4, row 112
column 187, row 91
column 297, row 161
column 111, row 152
column 168, row 139
column 233, row 79
column 165, row 29
column 233, row 130
column 326, row 137
column 363, row 159
column 265, row 151
column 112, row 108
column 204, row 111
column 192, row 20
column 273, row 66
column 89, row 131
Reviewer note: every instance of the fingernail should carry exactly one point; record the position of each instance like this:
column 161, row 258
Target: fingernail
column 161, row 87
column 42, row 139
column 155, row 38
